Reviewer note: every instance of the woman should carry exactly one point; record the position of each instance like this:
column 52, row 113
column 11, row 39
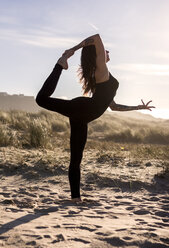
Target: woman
column 96, row 80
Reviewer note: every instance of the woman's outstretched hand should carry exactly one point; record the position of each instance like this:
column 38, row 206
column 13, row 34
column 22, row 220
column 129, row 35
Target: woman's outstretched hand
column 145, row 105
column 68, row 53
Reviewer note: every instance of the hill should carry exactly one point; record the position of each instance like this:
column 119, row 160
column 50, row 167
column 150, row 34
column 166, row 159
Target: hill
column 21, row 102
column 17, row 102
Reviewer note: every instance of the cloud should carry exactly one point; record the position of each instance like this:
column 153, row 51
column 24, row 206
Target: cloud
column 50, row 42
column 145, row 69
column 38, row 38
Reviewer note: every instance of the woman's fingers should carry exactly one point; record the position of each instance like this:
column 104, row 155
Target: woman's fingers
column 142, row 102
column 150, row 107
column 148, row 103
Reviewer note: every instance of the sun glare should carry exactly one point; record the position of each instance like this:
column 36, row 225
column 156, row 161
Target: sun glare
column 157, row 113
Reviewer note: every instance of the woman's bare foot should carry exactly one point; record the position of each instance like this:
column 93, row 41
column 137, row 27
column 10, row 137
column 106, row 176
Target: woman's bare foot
column 68, row 53
column 76, row 200
column 63, row 62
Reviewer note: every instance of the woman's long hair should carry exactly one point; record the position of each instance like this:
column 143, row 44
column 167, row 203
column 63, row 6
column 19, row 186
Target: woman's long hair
column 87, row 69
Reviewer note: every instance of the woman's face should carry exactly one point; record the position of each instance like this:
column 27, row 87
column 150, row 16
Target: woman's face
column 107, row 56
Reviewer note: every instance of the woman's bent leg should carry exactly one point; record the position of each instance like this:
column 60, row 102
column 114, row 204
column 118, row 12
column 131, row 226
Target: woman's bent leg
column 50, row 84
column 43, row 98
column 77, row 143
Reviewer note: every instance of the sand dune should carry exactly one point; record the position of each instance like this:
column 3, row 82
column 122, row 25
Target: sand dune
column 125, row 204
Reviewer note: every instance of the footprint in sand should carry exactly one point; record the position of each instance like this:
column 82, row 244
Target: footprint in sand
column 57, row 226
column 165, row 207
column 59, row 238
column 108, row 207
column 32, row 243
column 142, row 222
column 130, row 208
column 103, row 233
column 165, row 197
column 121, row 230
column 153, row 198
column 41, row 227
column 153, row 245
column 33, row 236
column 53, row 193
column 47, row 200
column 31, row 194
column 5, row 194
column 165, row 220
column 45, row 188
column 4, row 238
column 127, row 238
column 73, row 212
column 100, row 212
column 137, row 200
column 113, row 216
column 115, row 241
column 69, row 226
column 47, row 236
column 93, row 216
column 141, row 212
column 149, row 234
column 162, row 213
column 117, row 204
column 98, row 226
column 165, row 240
column 161, row 224
column 80, row 240
column 164, row 201
column 126, row 203
column 7, row 201
column 118, row 197
column 87, row 228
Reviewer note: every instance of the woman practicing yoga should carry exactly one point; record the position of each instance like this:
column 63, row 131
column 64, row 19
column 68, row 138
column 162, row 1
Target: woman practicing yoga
column 97, row 81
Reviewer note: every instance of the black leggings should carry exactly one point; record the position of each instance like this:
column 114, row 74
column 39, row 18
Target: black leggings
column 71, row 109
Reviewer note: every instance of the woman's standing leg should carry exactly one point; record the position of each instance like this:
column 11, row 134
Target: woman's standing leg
column 78, row 128
column 77, row 143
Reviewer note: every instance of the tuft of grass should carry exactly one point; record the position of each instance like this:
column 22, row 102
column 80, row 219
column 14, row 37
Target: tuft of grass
column 18, row 120
column 157, row 137
column 126, row 136
column 38, row 134
column 7, row 137
column 99, row 126
column 58, row 126
column 149, row 151
column 4, row 117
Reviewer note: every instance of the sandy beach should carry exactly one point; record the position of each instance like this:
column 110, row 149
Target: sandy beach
column 124, row 204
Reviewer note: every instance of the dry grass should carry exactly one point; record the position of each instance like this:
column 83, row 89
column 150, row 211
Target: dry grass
column 112, row 139
column 140, row 137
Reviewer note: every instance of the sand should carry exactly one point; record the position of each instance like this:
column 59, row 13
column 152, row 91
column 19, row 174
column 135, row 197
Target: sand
column 125, row 203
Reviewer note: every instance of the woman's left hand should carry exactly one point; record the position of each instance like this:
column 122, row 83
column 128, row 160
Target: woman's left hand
column 145, row 105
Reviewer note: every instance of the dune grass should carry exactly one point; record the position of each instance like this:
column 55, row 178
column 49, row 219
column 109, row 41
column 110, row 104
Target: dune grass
column 142, row 137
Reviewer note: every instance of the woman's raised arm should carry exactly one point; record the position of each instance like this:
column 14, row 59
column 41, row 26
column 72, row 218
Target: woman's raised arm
column 92, row 40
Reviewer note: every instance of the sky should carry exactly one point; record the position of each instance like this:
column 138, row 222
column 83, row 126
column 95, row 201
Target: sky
column 34, row 34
